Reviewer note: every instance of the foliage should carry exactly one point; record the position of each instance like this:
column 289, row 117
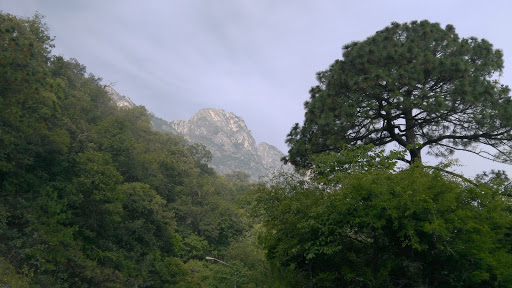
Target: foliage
column 375, row 227
column 90, row 195
column 416, row 85
column 9, row 278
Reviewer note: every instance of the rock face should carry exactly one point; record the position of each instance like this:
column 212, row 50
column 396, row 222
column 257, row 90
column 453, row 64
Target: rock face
column 224, row 134
column 230, row 141
column 120, row 100
column 269, row 154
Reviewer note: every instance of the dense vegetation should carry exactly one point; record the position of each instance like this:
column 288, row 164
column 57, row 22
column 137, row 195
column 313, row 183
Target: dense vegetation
column 361, row 220
column 92, row 196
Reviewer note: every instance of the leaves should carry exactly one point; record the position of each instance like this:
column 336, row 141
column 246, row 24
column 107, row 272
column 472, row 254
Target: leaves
column 414, row 84
column 364, row 224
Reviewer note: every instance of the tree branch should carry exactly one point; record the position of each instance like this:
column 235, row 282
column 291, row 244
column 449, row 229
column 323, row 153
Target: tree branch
column 452, row 174
column 469, row 137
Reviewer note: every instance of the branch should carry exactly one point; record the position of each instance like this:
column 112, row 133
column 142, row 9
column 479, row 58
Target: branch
column 390, row 128
column 468, row 137
column 452, row 174
column 479, row 154
column 404, row 160
column 500, row 152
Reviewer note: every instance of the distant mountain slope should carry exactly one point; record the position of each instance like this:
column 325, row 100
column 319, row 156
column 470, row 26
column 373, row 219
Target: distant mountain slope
column 121, row 101
column 230, row 141
column 226, row 135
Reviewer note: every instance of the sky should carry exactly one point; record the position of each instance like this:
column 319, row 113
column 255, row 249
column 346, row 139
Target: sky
column 255, row 58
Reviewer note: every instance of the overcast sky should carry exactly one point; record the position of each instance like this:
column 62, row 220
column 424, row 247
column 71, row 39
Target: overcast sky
column 255, row 58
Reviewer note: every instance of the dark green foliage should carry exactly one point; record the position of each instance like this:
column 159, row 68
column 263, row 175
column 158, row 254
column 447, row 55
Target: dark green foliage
column 361, row 225
column 90, row 195
column 202, row 210
column 414, row 84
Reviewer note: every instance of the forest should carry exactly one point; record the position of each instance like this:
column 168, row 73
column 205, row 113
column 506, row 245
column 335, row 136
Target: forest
column 92, row 196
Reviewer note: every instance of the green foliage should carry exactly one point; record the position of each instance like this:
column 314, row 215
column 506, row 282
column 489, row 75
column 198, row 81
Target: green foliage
column 414, row 84
column 359, row 220
column 90, row 195
column 252, row 268
column 206, row 209
column 9, row 278
column 375, row 227
column 194, row 247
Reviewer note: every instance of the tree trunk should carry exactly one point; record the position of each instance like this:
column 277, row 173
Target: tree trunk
column 410, row 137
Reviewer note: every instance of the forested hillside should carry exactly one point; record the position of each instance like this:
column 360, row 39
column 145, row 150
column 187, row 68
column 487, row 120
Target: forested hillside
column 91, row 196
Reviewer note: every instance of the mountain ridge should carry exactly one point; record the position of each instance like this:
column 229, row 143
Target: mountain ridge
column 231, row 142
column 225, row 134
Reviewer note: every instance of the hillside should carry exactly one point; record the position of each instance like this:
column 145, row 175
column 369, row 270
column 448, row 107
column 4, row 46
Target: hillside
column 227, row 137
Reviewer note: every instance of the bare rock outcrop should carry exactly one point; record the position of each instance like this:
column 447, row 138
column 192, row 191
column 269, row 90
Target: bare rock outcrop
column 232, row 145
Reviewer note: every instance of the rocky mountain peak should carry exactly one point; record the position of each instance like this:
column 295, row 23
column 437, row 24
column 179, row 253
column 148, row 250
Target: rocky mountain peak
column 220, row 129
column 120, row 100
column 225, row 134
column 219, row 118
column 231, row 142
column 269, row 153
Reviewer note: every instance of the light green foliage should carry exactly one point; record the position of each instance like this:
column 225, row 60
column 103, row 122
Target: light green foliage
column 414, row 84
column 370, row 226
column 499, row 180
column 9, row 278
column 252, row 268
column 194, row 247
column 330, row 166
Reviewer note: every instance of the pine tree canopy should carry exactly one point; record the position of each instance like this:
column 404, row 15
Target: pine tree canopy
column 416, row 85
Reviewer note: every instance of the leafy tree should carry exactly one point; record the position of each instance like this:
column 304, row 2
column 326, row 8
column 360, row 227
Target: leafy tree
column 112, row 135
column 238, row 177
column 206, row 208
column 99, row 207
column 362, row 223
column 194, row 247
column 416, row 85
column 26, row 103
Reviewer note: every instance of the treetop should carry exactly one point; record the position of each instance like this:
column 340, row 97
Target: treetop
column 415, row 84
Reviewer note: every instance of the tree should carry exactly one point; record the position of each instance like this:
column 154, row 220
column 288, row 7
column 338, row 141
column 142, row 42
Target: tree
column 363, row 223
column 26, row 104
column 416, row 85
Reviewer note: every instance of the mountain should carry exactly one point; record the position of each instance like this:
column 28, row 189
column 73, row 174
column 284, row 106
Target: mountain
column 120, row 100
column 226, row 136
column 229, row 139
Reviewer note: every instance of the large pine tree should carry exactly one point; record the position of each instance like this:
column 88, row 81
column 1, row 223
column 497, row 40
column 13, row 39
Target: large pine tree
column 416, row 85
